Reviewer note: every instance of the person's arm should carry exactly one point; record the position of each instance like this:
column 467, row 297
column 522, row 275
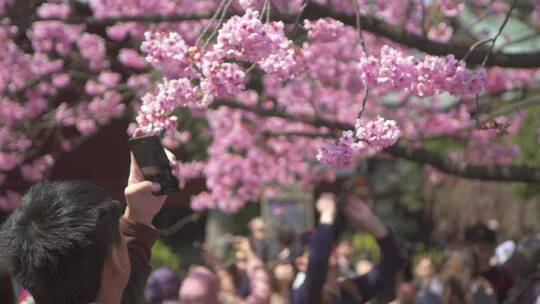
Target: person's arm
column 320, row 249
column 364, row 287
column 140, row 238
column 136, row 226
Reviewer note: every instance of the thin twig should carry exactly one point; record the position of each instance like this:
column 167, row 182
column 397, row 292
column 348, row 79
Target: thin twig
column 474, row 46
column 501, row 28
column 359, row 26
column 518, row 105
column 493, row 41
column 268, row 11
column 263, row 10
column 297, row 20
column 183, row 222
column 364, row 101
column 214, row 17
column 364, row 49
column 299, row 134
column 214, row 32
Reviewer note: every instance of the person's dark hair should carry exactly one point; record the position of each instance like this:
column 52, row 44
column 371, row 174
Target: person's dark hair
column 163, row 284
column 480, row 232
column 285, row 236
column 56, row 242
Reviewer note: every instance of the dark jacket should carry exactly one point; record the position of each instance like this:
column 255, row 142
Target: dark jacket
column 500, row 279
column 140, row 239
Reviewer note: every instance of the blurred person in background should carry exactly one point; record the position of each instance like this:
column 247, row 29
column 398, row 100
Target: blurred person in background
column 318, row 279
column 345, row 258
column 162, row 286
column 246, row 265
column 525, row 266
column 258, row 240
column 200, row 286
column 484, row 241
column 429, row 287
column 282, row 277
column 458, row 281
column 286, row 244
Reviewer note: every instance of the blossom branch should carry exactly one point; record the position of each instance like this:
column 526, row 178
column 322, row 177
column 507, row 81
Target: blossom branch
column 313, row 12
column 419, row 155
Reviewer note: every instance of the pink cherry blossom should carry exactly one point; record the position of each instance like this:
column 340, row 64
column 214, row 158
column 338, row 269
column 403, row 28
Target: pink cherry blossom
column 324, row 30
column 340, row 154
column 441, row 32
column 132, row 59
column 53, row 10
column 35, row 171
column 378, row 134
column 245, row 38
column 92, row 48
column 170, row 53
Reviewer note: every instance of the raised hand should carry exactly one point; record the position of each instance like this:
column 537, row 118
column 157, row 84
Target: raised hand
column 142, row 205
column 326, row 205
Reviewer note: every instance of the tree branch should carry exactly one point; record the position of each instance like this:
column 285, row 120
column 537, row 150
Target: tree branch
column 399, row 35
column 402, row 150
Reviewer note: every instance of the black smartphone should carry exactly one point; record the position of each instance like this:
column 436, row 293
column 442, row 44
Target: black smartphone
column 151, row 158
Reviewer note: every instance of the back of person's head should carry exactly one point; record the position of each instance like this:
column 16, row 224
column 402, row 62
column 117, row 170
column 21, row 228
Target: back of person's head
column 163, row 284
column 480, row 232
column 201, row 286
column 55, row 244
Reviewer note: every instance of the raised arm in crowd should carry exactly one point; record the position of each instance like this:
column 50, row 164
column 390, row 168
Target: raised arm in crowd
column 318, row 278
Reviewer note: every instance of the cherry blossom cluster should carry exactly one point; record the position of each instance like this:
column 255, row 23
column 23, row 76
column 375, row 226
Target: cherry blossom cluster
column 194, row 76
column 53, row 10
column 325, row 74
column 169, row 53
column 324, row 30
column 450, row 8
column 377, row 134
column 423, row 78
column 340, row 154
column 132, row 59
column 246, row 38
column 370, row 137
column 92, row 48
column 10, row 200
column 238, row 170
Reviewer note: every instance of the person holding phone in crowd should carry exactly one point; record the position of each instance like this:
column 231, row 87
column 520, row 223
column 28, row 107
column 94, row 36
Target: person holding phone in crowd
column 69, row 242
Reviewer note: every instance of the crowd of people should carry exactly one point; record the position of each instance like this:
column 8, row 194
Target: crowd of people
column 69, row 242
